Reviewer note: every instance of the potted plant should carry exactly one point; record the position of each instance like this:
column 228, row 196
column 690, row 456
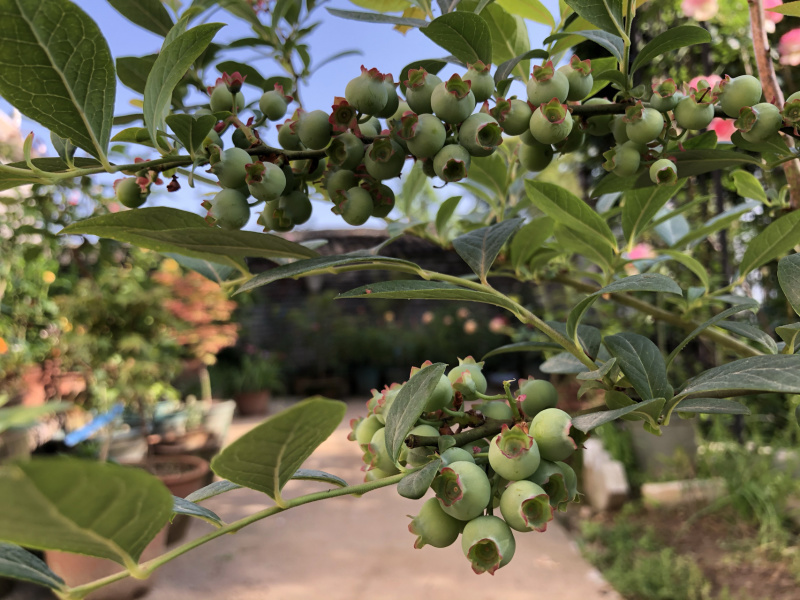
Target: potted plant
column 251, row 382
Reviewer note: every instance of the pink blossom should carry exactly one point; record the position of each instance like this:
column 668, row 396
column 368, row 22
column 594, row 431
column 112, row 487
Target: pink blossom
column 772, row 17
column 724, row 129
column 789, row 48
column 701, row 10
column 640, row 251
column 711, row 79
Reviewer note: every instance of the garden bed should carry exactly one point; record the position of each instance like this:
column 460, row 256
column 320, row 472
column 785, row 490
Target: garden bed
column 683, row 553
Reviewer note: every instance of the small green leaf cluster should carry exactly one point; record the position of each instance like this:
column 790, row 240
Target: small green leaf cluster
column 508, row 455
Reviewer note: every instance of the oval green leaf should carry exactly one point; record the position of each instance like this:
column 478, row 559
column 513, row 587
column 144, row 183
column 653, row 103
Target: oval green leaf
column 189, row 508
column 642, row 363
column 789, row 279
column 673, row 39
column 479, row 248
column 778, row 238
column 17, row 563
column 415, row 485
column 149, row 14
column 423, row 290
column 587, row 422
column 465, row 35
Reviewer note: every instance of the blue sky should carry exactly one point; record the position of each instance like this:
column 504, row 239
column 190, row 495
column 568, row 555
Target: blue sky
column 382, row 47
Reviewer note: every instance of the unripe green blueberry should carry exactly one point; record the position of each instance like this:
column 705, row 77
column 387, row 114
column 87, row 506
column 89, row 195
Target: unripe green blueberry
column 690, row 114
column 551, row 122
column 223, row 100
column 425, row 430
column 551, row 478
column 579, row 77
column 468, row 378
column 488, row 543
column 273, row 104
column 385, row 400
column 570, row 480
column 338, row 182
column 309, row 169
column 456, row 454
column 129, row 193
column 643, row 125
column 239, row 139
column 497, row 409
column 357, row 206
column 434, row 527
column 314, row 129
column 526, row 507
column 619, row 129
column 297, row 206
column 346, row 151
column 481, row 81
column 513, row 454
column 539, row 395
column 428, row 137
column 231, row 167
column 536, row 156
column 663, row 172
column 368, row 129
column 442, row 395
column 574, row 141
column 739, row 92
column 518, row 118
column 480, row 134
column 265, row 181
column 212, row 138
column 551, row 430
column 451, row 163
column 377, row 447
column 419, row 89
column 382, row 200
column 392, row 99
column 452, row 100
column 287, row 136
column 463, row 489
column 384, row 159
column 624, row 160
column 366, row 429
column 665, row 96
column 230, row 210
column 546, row 83
column 273, row 218
column 375, row 474
column 759, row 122
column 366, row 92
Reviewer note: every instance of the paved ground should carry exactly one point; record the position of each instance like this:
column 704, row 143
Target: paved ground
column 358, row 549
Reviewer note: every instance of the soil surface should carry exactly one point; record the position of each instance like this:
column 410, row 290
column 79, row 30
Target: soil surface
column 355, row 549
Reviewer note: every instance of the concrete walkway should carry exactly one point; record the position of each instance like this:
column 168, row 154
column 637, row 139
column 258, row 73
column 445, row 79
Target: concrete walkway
column 359, row 549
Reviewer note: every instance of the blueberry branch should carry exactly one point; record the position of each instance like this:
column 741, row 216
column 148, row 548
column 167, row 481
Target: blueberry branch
column 489, row 429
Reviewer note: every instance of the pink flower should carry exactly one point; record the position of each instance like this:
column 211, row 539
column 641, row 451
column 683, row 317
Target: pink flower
column 772, row 17
column 789, row 48
column 711, row 79
column 640, row 251
column 701, row 10
column 724, row 129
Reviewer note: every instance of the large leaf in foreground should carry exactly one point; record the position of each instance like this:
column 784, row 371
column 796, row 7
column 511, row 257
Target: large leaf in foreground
column 170, row 230
column 18, row 563
column 780, row 374
column 266, row 457
column 409, row 404
column 82, row 506
column 57, row 70
column 465, row 35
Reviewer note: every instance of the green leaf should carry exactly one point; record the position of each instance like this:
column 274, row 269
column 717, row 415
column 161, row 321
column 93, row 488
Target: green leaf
column 752, row 375
column 17, row 563
column 190, row 130
column 747, row 186
column 324, row 264
column 432, row 66
column 529, row 9
column 790, row 9
column 133, row 71
column 479, row 248
column 604, row 14
column 509, row 36
column 212, row 271
column 529, row 239
column 504, row 69
column 751, row 333
column 212, row 489
column 778, row 238
column 149, row 14
column 712, row 406
column 611, row 42
column 320, row 476
column 694, row 265
column 642, row 363
column 598, row 374
column 444, row 213
column 415, row 485
column 600, row 66
column 186, row 507
column 253, row 77
column 563, row 363
column 266, row 457
column 642, row 205
column 587, row 422
column 773, row 145
column 57, row 70
column 82, row 506
column 566, row 208
column 423, row 290
column 721, row 221
column 589, row 337
column 789, row 279
column 746, row 304
column 522, row 347
column 409, row 404
column 446, row 442
column 170, row 230
column 465, row 35
column 21, row 416
column 644, row 282
column 168, row 70
column 491, row 172
column 673, row 39
column 789, row 333
column 370, row 17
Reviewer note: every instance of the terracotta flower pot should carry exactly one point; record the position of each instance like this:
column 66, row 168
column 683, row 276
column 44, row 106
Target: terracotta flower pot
column 253, row 403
